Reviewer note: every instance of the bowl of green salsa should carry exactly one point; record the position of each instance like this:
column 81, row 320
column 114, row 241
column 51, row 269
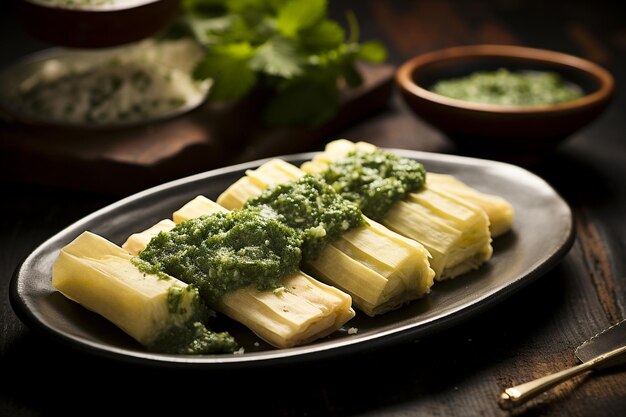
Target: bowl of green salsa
column 505, row 102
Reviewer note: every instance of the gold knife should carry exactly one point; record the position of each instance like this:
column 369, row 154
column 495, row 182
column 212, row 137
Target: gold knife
column 606, row 349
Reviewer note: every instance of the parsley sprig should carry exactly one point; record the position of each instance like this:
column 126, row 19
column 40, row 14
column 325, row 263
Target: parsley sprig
column 289, row 48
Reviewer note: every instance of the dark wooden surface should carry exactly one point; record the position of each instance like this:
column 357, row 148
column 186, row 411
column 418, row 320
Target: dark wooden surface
column 456, row 372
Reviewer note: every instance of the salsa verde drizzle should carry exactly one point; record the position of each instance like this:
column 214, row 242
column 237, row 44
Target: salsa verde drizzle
column 374, row 180
column 193, row 337
column 257, row 245
column 313, row 209
column 223, row 252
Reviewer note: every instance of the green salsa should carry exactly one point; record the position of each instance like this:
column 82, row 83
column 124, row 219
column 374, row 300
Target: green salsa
column 374, row 180
column 193, row 337
column 509, row 88
column 222, row 252
column 257, row 245
column 312, row 208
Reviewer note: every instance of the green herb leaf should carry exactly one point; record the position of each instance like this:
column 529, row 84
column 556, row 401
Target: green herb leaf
column 324, row 35
column 352, row 76
column 276, row 4
column 372, row 51
column 290, row 49
column 297, row 15
column 278, row 56
column 227, row 66
column 203, row 7
column 210, row 31
column 307, row 103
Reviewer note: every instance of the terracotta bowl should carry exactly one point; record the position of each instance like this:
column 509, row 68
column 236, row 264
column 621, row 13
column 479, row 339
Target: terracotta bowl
column 85, row 26
column 523, row 134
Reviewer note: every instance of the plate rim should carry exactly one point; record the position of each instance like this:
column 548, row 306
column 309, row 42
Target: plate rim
column 304, row 353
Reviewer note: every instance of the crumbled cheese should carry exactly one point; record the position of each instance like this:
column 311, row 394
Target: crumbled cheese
column 279, row 291
column 318, row 231
column 353, row 330
column 126, row 84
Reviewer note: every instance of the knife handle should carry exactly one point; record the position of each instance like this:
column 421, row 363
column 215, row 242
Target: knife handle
column 519, row 394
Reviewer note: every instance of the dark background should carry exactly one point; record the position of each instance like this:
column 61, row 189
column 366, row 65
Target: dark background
column 457, row 372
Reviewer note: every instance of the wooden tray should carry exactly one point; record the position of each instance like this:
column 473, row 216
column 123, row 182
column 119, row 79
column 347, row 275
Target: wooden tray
column 124, row 161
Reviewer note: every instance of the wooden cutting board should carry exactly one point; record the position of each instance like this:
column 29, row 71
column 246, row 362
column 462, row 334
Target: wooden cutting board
column 123, row 161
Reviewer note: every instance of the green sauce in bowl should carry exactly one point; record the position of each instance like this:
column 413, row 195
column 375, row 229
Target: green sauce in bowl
column 508, row 88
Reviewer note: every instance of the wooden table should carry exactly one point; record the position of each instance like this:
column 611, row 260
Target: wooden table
column 456, row 372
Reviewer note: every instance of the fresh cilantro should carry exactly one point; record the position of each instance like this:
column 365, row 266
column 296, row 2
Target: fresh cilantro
column 306, row 102
column 372, row 51
column 289, row 48
column 297, row 15
column 323, row 36
column 278, row 56
column 228, row 67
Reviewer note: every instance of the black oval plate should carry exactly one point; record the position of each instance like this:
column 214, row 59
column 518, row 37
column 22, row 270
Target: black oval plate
column 542, row 235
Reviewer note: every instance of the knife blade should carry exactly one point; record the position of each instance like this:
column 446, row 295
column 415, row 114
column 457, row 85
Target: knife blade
column 607, row 340
column 605, row 349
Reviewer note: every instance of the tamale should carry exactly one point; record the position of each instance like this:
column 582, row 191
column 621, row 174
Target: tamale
column 379, row 268
column 101, row 277
column 302, row 311
column 455, row 230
